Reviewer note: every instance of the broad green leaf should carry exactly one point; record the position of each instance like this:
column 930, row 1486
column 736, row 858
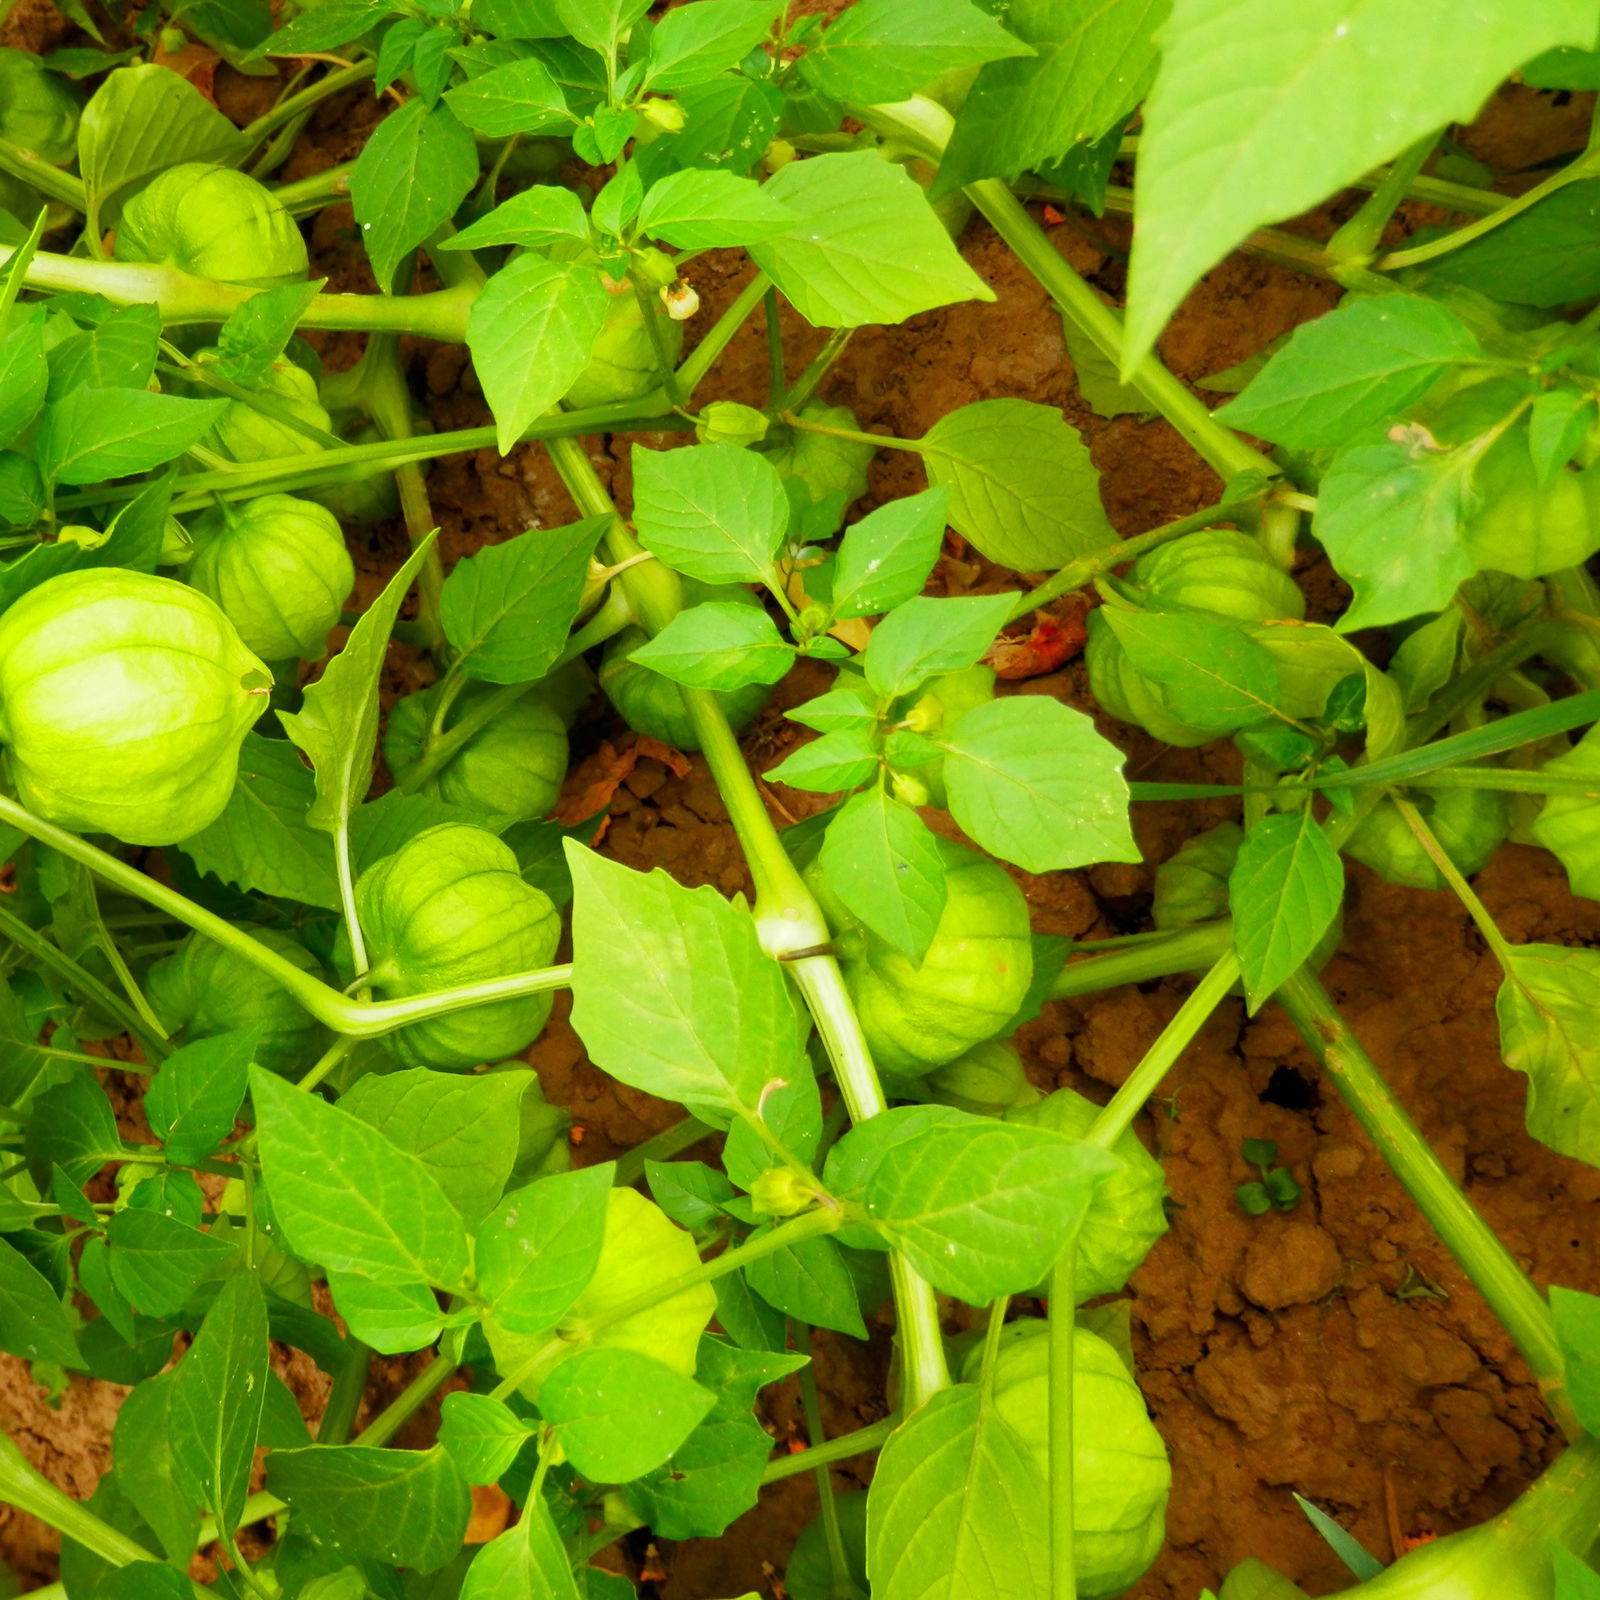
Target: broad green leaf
column 1022, row 486
column 712, row 511
column 531, row 333
column 1558, row 421
column 408, row 180
column 1096, row 376
column 157, row 1262
column 792, row 1111
column 1255, row 1580
column 527, row 1561
column 690, row 1192
column 542, row 215
column 337, row 726
column 348, row 1198
column 379, row 827
column 879, row 51
column 482, row 1435
column 408, row 1508
column 391, row 1317
column 1575, row 1578
column 1284, row 892
column 672, row 992
column 1543, row 257
column 885, row 558
column 507, row 609
column 1327, row 90
column 850, row 707
column 144, row 1580
column 1031, row 781
column 34, row 1325
column 1577, row 1326
column 142, row 120
column 23, row 376
column 600, row 23
column 980, row 1208
column 147, row 1466
column 1359, row 365
column 119, row 353
column 1568, row 825
column 1212, row 674
column 72, row 1127
column 866, row 245
column 883, row 862
column 812, row 1283
column 462, row 1127
column 950, row 1513
column 107, row 433
column 842, row 759
column 718, row 645
column 618, row 1414
column 27, row 1068
column 263, row 840
column 700, row 208
column 927, row 636
column 219, row 1392
column 256, row 332
column 1092, row 66
column 520, row 97
column 693, row 43
column 1546, row 1008
column 731, row 119
column 323, row 28
column 1389, row 515
column 196, row 1093
column 538, row 1249
column 22, row 499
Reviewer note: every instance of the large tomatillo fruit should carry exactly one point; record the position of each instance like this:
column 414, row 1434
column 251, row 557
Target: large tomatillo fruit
column 450, row 907
column 624, row 365
column 38, row 108
column 124, row 699
column 279, row 569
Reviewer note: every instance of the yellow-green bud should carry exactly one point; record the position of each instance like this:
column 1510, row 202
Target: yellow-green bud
column 667, row 115
column 728, row 422
column 778, row 1192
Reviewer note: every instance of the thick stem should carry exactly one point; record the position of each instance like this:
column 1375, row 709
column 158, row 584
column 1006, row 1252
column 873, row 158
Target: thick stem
column 294, row 105
column 1518, row 1306
column 1188, row 950
column 703, row 357
column 845, row 1448
column 1063, row 1332
column 1355, row 242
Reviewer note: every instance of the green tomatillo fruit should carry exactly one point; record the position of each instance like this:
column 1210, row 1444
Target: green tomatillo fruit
column 1126, row 1214
column 1470, row 824
column 822, row 469
column 1120, row 1472
column 215, row 223
column 124, row 699
column 245, row 434
column 624, row 364
column 511, row 768
column 38, row 108
column 449, row 907
column 988, row 1081
column 968, row 985
column 1522, row 526
column 1223, row 571
column 279, row 569
column 204, row 988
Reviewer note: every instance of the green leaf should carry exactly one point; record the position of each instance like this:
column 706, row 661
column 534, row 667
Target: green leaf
column 379, row 827
column 1092, row 67
column 257, row 332
column 545, row 214
column 885, row 558
column 263, row 840
column 481, row 1434
column 718, row 645
column 1341, row 1541
column 107, row 433
column 839, row 760
column 811, row 1282
column 196, row 1093
column 391, row 1317
column 119, row 353
column 23, row 376
column 507, row 608
column 1022, row 486
column 883, row 862
column 34, row 1325
column 531, row 332
column 926, row 637
column 1255, row 1580
column 1389, row 515
column 600, row 23
column 147, row 1466
column 218, row 1396
column 731, row 119
column 1577, row 1325
column 866, row 246
column 408, row 180
column 1212, row 674
column 1327, row 90
column 142, row 120
column 980, row 1208
column 1575, row 1579
column 672, row 992
column 701, row 208
column 337, row 726
column 884, row 50
column 1558, row 421
column 72, row 1127
column 1568, row 825
column 1546, row 1008
column 1031, row 781
column 1543, row 257
column 324, row 28
column 350, row 1199
column 693, row 43
column 1366, row 360
column 1284, row 892
column 538, row 1249
column 527, row 1560
column 157, row 1262
column 950, row 1511
column 712, row 511
column 618, row 1414
column 408, row 1508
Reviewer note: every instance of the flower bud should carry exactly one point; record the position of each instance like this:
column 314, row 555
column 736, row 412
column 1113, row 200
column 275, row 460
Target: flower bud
column 778, row 1192
column 728, row 422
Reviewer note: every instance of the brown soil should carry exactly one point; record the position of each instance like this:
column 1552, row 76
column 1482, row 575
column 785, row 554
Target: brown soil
column 1337, row 1351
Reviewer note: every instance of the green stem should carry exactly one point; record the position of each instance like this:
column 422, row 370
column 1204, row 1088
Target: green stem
column 1063, row 1331
column 292, row 106
column 22, row 1486
column 48, row 180
column 811, row 1403
column 663, row 1146
column 312, row 193
column 886, row 441
column 806, row 385
column 777, row 371
column 1357, row 240
column 703, row 357
column 1187, row 950
column 407, row 1403
column 1129, row 1100
column 1514, row 780
column 1452, row 874
column 1518, row 1306
column 845, row 1448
